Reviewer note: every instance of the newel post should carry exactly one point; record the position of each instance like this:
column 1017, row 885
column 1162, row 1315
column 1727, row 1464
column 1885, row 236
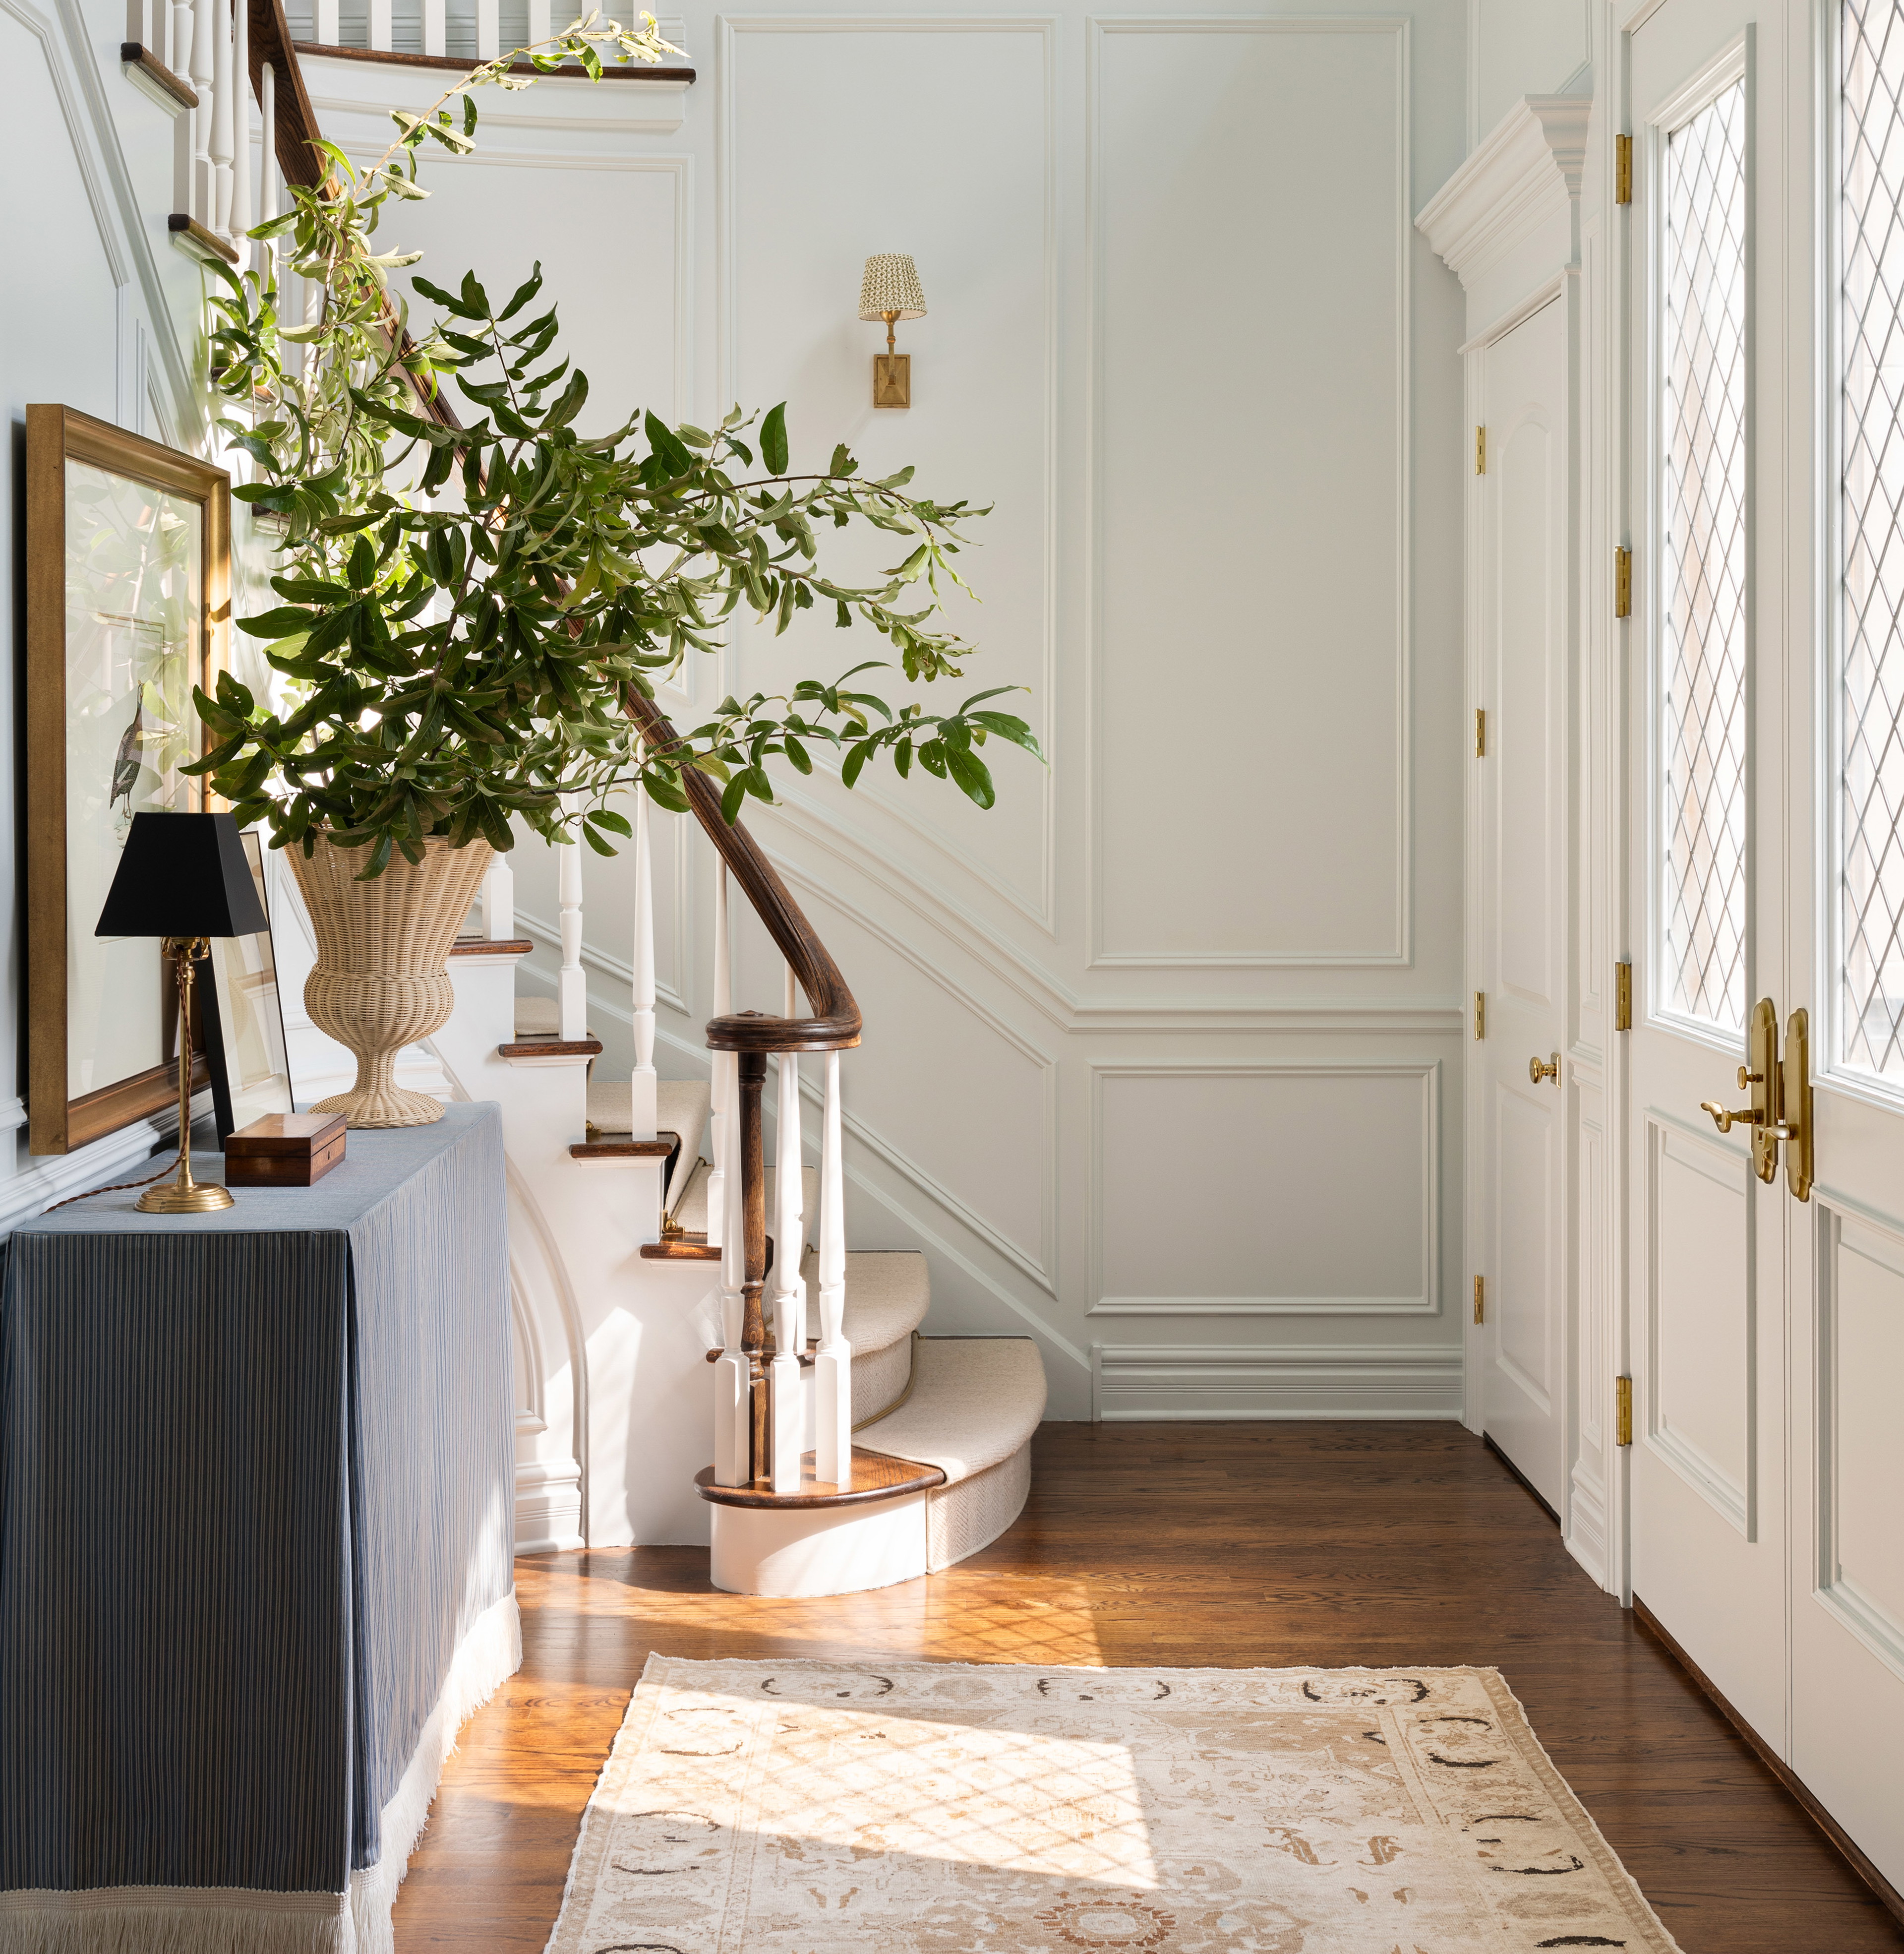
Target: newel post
column 753, row 1169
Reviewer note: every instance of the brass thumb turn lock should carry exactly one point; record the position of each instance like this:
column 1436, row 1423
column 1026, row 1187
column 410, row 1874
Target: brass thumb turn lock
column 1780, row 1111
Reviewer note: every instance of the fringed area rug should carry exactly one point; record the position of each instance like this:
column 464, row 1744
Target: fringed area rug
column 932, row 1808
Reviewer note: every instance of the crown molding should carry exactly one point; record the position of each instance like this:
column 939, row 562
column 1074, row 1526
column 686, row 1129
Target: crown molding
column 1525, row 171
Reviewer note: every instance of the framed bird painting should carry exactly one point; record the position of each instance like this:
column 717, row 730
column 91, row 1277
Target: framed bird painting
column 128, row 581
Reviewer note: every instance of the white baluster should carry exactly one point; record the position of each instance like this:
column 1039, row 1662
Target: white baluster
column 204, row 201
column 242, row 206
column 724, row 1083
column 499, row 900
column 328, row 32
column 538, row 19
column 489, row 33
column 435, row 31
column 380, row 36
column 832, row 1364
column 642, row 1083
column 178, row 41
column 788, row 1295
column 267, row 161
column 571, row 982
column 733, row 1408
column 224, row 147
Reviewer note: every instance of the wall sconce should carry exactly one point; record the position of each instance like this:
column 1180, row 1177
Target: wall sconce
column 890, row 291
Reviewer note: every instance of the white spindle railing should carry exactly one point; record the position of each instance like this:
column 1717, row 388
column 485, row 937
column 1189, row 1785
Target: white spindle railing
column 572, row 980
column 832, row 1364
column 789, row 1294
column 205, row 201
column 642, row 1080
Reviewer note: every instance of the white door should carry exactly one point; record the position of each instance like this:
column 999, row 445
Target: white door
column 1845, row 755
column 1766, row 659
column 1706, row 646
column 1524, row 510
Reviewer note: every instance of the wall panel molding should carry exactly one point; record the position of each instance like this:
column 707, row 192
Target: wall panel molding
column 1426, row 1072
column 1399, row 950
column 1042, row 910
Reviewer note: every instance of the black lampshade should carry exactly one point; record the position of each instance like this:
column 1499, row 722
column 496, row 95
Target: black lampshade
column 181, row 874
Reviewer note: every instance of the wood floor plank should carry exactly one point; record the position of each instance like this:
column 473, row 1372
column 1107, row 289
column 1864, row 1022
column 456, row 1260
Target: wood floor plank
column 1269, row 1545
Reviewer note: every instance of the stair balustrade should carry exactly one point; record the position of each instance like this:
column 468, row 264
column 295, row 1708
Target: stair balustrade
column 754, row 1396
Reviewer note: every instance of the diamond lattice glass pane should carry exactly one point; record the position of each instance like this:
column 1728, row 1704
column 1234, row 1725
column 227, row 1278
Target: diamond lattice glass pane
column 1702, row 722
column 1870, row 760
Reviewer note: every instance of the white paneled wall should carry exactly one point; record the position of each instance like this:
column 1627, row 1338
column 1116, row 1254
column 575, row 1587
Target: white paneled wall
column 1521, row 47
column 1233, row 419
column 1179, row 1019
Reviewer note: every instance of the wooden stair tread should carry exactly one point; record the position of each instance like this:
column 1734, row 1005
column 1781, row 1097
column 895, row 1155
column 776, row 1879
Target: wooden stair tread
column 622, row 1149
column 551, row 1047
column 688, row 1248
column 500, row 946
column 875, row 1476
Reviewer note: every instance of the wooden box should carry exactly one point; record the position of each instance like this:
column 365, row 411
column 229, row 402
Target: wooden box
column 285, row 1150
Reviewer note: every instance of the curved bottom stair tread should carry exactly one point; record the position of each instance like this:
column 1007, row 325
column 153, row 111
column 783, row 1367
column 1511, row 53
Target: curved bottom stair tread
column 888, row 1292
column 976, row 1403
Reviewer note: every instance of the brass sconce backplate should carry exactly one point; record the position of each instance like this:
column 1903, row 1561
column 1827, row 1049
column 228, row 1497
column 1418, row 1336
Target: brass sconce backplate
column 892, row 379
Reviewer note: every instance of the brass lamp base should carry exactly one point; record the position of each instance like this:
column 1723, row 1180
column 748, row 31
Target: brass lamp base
column 191, row 1197
column 182, row 1195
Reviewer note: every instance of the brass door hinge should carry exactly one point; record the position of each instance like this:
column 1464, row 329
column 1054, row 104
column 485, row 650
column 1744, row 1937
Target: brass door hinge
column 1622, row 583
column 1480, row 734
column 1622, row 996
column 1622, row 1411
column 1480, row 1298
column 1480, row 450
column 1480, row 1014
column 1622, row 169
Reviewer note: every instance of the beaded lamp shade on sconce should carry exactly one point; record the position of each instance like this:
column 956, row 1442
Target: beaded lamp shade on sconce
column 890, row 291
column 182, row 878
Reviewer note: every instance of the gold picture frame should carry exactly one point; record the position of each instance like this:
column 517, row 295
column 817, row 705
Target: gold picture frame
column 128, row 604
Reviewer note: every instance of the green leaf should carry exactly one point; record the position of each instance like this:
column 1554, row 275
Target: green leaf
column 774, row 440
column 606, row 817
column 731, row 799
column 279, row 623
column 674, row 457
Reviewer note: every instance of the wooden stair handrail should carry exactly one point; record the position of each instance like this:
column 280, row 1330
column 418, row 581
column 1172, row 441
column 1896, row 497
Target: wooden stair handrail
column 836, row 1023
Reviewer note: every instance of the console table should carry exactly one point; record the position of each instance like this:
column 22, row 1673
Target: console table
column 256, row 1503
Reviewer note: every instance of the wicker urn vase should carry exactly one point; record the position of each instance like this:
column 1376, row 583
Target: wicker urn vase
column 381, row 980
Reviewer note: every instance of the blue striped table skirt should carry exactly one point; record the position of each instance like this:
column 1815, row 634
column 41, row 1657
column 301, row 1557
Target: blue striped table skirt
column 256, row 1492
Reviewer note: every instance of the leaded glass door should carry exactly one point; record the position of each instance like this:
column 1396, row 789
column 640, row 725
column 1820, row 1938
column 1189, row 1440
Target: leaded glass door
column 1705, row 646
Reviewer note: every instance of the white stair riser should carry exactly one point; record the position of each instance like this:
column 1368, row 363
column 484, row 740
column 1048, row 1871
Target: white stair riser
column 822, row 1550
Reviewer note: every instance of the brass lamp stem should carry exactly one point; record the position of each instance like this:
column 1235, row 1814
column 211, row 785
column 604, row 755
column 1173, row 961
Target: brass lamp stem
column 889, row 317
column 182, row 1195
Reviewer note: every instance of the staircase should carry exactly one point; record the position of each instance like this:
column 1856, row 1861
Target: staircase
column 620, row 1286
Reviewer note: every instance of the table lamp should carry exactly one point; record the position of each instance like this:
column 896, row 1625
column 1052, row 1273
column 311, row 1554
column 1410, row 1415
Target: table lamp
column 182, row 878
column 890, row 291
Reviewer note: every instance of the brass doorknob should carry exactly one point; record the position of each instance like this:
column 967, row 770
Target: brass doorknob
column 1536, row 1072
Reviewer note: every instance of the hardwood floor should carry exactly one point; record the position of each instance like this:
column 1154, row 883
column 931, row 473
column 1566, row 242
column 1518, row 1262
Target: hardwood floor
column 1268, row 1544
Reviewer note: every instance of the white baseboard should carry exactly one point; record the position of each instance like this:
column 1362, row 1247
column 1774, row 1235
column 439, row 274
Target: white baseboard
column 548, row 1505
column 1151, row 1380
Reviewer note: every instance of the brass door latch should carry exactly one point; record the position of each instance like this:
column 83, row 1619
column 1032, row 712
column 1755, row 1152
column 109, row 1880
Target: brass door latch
column 1780, row 1111
column 1536, row 1071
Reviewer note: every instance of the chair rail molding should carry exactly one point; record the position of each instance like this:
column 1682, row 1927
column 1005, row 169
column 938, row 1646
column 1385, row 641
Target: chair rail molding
column 1524, row 173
